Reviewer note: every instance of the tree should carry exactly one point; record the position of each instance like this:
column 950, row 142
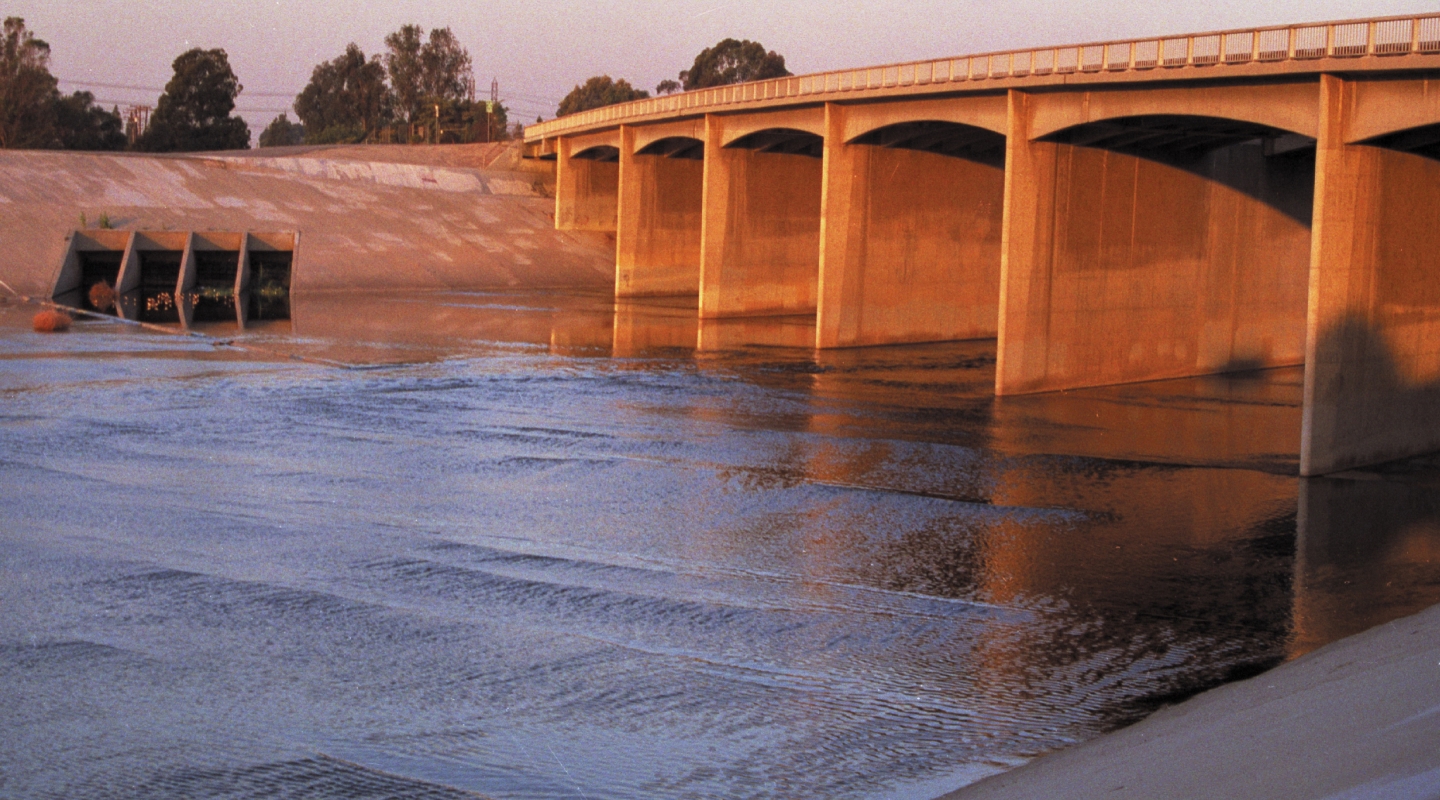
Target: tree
column 425, row 72
column 27, row 89
column 667, row 86
column 731, row 61
column 281, row 132
column 402, row 63
column 493, row 126
column 82, row 125
column 194, row 112
column 444, row 66
column 467, row 121
column 599, row 91
column 346, row 99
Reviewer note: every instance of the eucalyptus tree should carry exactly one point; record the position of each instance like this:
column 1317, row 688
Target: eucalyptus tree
column 194, row 112
column 733, row 61
column 425, row 72
column 346, row 99
column 82, row 125
column 27, row 89
column 281, row 132
column 599, row 91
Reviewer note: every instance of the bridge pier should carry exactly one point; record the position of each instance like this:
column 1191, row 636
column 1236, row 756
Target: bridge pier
column 1125, row 264
column 910, row 246
column 657, row 233
column 760, row 230
column 1372, row 382
column 587, row 184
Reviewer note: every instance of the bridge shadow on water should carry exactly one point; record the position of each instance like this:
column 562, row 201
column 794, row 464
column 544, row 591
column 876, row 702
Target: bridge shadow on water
column 1387, row 402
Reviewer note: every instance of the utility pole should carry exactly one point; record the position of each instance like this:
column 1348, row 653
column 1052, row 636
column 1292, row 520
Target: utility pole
column 490, row 109
column 137, row 119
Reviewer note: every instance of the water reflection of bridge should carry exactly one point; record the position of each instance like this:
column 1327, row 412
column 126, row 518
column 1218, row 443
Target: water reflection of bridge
column 1114, row 212
column 1230, row 437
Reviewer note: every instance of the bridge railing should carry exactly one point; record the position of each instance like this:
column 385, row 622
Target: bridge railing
column 1387, row 36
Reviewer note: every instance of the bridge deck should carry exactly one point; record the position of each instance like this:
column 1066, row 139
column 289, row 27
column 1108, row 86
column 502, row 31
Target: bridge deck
column 1352, row 46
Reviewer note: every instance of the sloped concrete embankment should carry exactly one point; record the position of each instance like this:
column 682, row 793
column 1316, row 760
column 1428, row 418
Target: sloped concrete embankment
column 1359, row 718
column 364, row 226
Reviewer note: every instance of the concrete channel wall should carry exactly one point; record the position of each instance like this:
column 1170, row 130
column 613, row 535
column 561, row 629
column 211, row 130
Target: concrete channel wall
column 365, row 226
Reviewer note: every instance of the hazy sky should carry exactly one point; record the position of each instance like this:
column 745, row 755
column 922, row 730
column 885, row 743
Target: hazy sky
column 539, row 49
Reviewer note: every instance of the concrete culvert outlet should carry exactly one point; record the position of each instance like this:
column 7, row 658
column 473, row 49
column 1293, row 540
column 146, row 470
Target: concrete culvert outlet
column 269, row 295
column 159, row 272
column 99, row 272
column 214, row 292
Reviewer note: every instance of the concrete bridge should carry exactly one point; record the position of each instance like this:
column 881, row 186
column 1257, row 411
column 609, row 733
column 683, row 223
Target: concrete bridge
column 1112, row 212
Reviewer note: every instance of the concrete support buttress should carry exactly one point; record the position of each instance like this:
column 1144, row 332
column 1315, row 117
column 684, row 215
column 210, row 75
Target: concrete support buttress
column 127, row 283
column 760, row 230
column 842, row 236
column 657, row 225
column 1027, row 235
column 242, row 282
column 185, row 283
column 70, row 278
column 910, row 244
column 1372, row 382
column 564, row 186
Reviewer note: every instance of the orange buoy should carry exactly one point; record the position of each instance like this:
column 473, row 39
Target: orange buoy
column 51, row 321
column 102, row 297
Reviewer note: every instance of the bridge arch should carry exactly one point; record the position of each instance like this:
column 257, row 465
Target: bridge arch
column 683, row 147
column 1423, row 140
column 953, row 139
column 987, row 112
column 787, row 141
column 1292, row 107
column 604, row 153
column 1176, row 135
column 1381, row 108
column 807, row 120
column 645, row 135
column 1268, row 164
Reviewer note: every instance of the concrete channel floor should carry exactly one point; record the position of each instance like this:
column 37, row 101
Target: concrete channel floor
column 1356, row 720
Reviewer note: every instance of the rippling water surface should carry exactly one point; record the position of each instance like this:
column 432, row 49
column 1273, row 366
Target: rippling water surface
column 545, row 547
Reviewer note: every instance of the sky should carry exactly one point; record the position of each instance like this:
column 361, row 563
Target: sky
column 539, row 49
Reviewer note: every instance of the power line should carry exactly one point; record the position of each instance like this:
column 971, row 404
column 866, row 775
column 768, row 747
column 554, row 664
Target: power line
column 102, row 101
column 526, row 101
column 532, row 98
column 161, row 88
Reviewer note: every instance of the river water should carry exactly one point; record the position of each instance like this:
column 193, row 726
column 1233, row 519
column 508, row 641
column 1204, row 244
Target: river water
column 541, row 546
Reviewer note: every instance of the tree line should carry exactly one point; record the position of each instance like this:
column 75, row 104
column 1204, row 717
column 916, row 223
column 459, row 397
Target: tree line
column 421, row 85
column 729, row 61
column 421, row 82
